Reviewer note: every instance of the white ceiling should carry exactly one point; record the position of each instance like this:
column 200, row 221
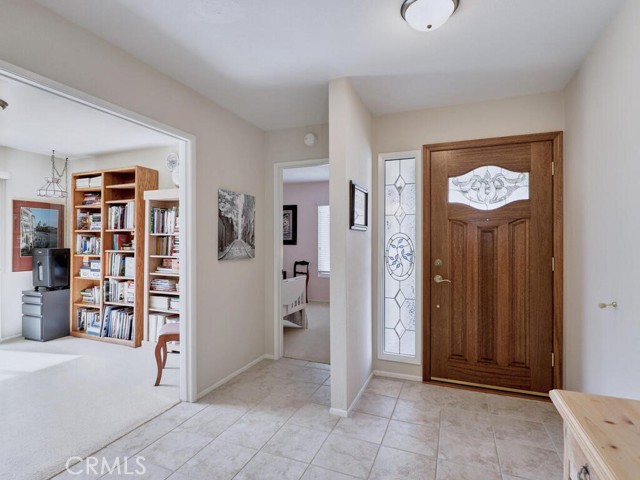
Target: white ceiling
column 38, row 121
column 270, row 61
column 318, row 173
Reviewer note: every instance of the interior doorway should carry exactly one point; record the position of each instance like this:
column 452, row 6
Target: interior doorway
column 493, row 262
column 302, row 239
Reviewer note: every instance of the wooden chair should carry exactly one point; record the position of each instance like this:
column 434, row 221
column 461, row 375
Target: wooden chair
column 301, row 267
column 169, row 332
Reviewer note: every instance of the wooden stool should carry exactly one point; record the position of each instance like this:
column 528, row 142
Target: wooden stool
column 169, row 332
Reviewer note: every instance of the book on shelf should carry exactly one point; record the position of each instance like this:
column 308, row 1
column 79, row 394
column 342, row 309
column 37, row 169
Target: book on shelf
column 117, row 322
column 121, row 265
column 169, row 246
column 122, row 216
column 88, row 244
column 123, row 241
column 164, row 220
column 157, row 320
column 90, row 199
column 89, row 182
column 91, row 320
column 164, row 285
column 119, row 291
column 162, row 302
column 90, row 295
column 90, row 269
column 90, row 221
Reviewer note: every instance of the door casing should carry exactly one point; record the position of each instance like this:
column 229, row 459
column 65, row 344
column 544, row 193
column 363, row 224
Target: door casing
column 557, row 139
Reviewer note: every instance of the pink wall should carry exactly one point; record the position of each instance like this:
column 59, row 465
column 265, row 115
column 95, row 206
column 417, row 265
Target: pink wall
column 307, row 196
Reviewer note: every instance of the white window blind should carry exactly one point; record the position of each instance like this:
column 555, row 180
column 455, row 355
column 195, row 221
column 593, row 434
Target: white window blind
column 324, row 253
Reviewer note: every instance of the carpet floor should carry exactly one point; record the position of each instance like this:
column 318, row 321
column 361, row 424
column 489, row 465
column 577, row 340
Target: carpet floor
column 310, row 344
column 71, row 396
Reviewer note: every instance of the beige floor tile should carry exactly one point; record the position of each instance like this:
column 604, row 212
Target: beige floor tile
column 411, row 437
column 317, row 473
column 556, row 432
column 522, row 432
column 347, row 455
column 327, row 381
column 385, row 386
column 295, row 442
column 374, row 404
column 529, row 462
column 315, row 416
column 251, row 431
column 219, row 460
column 269, row 467
column 363, row 426
column 418, row 392
column 174, row 449
column 416, row 412
column 466, row 448
column 453, row 471
column 322, row 395
column 321, row 366
column 463, row 399
column 525, row 409
column 142, row 471
column 211, row 421
column 311, row 375
column 392, row 464
column 462, row 421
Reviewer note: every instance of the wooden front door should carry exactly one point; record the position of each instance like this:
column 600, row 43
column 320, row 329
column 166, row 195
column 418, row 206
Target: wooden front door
column 491, row 262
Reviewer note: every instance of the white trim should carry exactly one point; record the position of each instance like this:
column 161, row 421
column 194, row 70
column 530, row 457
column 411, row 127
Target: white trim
column 2, row 340
column 400, row 376
column 355, row 400
column 278, row 341
column 233, row 375
column 5, row 175
column 188, row 378
column 417, row 154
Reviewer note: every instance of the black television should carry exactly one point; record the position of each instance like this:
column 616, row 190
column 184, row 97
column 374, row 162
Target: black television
column 51, row 268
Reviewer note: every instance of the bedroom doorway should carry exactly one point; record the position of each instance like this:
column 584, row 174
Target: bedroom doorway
column 302, row 222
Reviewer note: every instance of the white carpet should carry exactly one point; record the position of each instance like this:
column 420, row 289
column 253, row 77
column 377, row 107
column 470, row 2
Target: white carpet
column 311, row 344
column 70, row 397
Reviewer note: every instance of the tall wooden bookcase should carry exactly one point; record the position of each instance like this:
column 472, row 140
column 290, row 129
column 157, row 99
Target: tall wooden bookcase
column 116, row 187
column 159, row 241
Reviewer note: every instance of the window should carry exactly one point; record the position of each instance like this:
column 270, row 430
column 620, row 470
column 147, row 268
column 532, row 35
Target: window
column 324, row 253
column 399, row 331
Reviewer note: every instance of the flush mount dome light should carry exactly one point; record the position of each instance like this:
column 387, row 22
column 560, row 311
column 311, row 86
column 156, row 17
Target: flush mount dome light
column 427, row 15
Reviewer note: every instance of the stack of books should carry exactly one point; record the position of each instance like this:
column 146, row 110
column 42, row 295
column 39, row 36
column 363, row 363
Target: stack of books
column 88, row 245
column 164, row 285
column 169, row 265
column 118, row 291
column 91, row 221
column 90, row 269
column 90, row 295
column 117, row 322
column 164, row 220
column 89, row 182
column 121, row 217
column 86, row 318
column 91, row 199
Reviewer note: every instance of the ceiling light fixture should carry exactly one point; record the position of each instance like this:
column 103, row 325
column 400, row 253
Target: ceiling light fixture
column 3, row 104
column 53, row 188
column 427, row 15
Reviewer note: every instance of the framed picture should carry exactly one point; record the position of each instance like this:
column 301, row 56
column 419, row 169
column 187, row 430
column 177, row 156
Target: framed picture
column 236, row 225
column 290, row 225
column 35, row 225
column 358, row 207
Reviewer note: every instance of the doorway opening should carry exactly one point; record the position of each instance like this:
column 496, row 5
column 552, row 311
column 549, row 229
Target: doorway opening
column 302, row 238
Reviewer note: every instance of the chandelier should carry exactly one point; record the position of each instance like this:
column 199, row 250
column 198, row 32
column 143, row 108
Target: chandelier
column 52, row 187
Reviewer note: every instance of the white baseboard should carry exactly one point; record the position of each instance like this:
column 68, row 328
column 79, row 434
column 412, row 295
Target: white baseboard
column 6, row 339
column 339, row 412
column 401, row 376
column 355, row 400
column 232, row 375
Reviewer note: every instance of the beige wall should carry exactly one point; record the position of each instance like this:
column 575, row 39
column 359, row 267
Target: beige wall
column 283, row 146
column 350, row 154
column 601, row 213
column 27, row 175
column 229, row 151
column 411, row 130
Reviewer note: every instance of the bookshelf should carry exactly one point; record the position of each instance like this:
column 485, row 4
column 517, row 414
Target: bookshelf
column 162, row 262
column 108, row 245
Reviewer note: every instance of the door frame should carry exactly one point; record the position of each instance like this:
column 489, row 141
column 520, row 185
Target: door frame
column 557, row 166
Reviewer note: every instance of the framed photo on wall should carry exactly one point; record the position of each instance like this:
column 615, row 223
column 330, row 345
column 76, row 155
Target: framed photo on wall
column 290, row 225
column 35, row 225
column 358, row 207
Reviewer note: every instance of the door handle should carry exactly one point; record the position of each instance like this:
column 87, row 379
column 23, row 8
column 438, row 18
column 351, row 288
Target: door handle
column 439, row 279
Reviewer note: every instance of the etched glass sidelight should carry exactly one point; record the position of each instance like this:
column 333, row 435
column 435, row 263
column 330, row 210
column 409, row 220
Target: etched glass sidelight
column 399, row 257
column 489, row 188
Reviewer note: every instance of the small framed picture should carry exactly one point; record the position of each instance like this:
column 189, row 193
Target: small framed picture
column 35, row 225
column 358, row 207
column 290, row 225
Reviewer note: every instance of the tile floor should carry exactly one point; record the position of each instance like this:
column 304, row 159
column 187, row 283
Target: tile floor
column 273, row 422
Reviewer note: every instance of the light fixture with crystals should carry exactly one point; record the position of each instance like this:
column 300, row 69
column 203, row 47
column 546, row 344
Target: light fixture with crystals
column 52, row 187
column 427, row 15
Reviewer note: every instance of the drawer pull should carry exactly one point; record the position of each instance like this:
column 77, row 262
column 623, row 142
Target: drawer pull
column 584, row 473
